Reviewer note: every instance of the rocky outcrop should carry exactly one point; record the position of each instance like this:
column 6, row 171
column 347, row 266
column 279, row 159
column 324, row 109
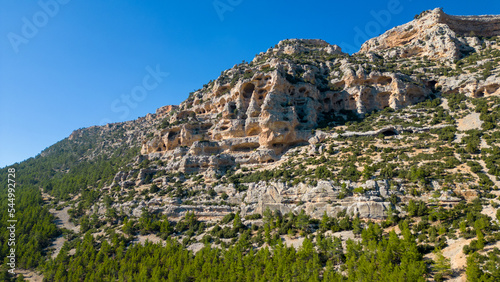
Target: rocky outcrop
column 486, row 25
column 255, row 112
column 436, row 35
column 315, row 200
column 471, row 85
column 161, row 112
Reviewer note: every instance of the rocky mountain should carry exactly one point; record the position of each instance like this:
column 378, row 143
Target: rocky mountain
column 255, row 111
column 296, row 98
column 407, row 129
column 435, row 34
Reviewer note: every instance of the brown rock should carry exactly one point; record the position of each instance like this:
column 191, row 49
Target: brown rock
column 434, row 34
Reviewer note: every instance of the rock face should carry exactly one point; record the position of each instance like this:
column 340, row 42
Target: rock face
column 315, row 200
column 165, row 110
column 256, row 111
column 435, row 34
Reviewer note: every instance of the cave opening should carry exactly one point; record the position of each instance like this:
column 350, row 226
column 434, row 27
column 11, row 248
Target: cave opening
column 248, row 90
column 390, row 132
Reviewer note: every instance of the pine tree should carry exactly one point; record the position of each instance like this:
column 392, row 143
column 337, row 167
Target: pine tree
column 473, row 271
column 303, row 221
column 480, row 240
column 325, row 222
column 128, row 226
column 412, row 208
column 479, row 225
column 463, row 227
column 165, row 227
column 268, row 217
column 442, row 266
column 237, row 224
column 356, row 225
column 493, row 265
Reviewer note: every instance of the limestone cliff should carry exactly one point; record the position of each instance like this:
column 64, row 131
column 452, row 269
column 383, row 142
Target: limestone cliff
column 255, row 111
column 436, row 35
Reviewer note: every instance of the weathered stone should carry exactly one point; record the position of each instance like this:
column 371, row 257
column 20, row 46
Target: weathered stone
column 436, row 35
column 258, row 118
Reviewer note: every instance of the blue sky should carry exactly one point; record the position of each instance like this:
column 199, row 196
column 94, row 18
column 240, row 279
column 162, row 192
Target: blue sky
column 69, row 64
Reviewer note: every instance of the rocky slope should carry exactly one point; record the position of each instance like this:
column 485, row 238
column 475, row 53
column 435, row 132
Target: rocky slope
column 295, row 101
column 436, row 35
column 303, row 144
column 256, row 111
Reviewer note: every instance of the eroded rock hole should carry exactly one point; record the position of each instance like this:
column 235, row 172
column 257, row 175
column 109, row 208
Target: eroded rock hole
column 172, row 135
column 248, row 90
column 299, row 127
column 384, row 80
column 339, row 86
column 245, row 147
column 206, row 126
column 254, row 131
column 232, row 108
column 390, row 132
column 222, row 90
column 432, row 85
column 492, row 88
column 383, row 99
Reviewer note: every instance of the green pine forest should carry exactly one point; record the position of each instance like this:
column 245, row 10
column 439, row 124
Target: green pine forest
column 244, row 252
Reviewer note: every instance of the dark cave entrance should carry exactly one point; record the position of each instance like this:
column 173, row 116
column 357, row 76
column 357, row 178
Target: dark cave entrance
column 390, row 132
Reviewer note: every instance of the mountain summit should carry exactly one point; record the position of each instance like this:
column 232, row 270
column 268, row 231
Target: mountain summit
column 436, row 35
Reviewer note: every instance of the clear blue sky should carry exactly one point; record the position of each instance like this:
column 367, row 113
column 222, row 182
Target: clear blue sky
column 68, row 64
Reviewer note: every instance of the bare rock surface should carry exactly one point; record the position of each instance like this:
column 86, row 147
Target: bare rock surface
column 255, row 112
column 435, row 34
column 470, row 122
column 62, row 221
